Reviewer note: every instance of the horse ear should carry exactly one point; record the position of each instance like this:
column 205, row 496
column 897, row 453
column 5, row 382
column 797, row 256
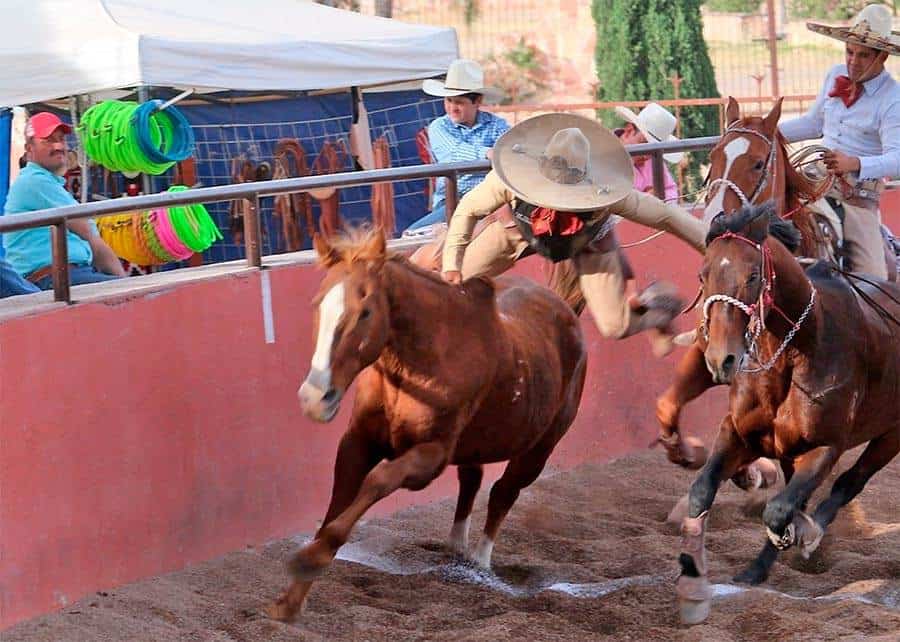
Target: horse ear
column 758, row 227
column 732, row 112
column 376, row 248
column 771, row 121
column 717, row 227
column 328, row 256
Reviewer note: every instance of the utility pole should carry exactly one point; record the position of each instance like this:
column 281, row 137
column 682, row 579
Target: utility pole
column 773, row 47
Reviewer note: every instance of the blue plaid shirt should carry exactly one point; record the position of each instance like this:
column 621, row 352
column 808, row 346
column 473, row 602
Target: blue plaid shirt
column 453, row 143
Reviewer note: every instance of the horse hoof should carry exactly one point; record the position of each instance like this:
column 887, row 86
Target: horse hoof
column 808, row 534
column 693, row 611
column 282, row 611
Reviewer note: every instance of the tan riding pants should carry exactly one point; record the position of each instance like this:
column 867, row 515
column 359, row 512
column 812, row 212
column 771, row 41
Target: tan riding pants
column 863, row 243
column 601, row 275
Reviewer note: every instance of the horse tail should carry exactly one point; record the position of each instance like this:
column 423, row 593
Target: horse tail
column 562, row 278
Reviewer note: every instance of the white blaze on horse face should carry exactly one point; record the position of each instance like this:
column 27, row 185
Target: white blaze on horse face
column 733, row 150
column 331, row 309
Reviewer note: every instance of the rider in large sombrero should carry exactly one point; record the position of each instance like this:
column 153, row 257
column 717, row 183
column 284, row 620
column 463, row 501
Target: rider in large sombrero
column 857, row 114
column 565, row 177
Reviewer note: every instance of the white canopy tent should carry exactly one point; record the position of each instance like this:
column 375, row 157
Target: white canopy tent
column 52, row 49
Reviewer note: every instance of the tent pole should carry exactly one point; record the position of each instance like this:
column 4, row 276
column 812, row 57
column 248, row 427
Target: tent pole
column 143, row 93
column 76, row 110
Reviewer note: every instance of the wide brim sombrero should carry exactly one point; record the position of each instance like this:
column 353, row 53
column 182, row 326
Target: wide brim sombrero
column 634, row 119
column 608, row 178
column 859, row 34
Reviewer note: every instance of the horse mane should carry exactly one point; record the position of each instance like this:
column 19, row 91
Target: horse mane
column 358, row 244
column 799, row 190
column 780, row 229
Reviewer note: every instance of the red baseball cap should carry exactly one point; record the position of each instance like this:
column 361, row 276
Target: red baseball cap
column 44, row 123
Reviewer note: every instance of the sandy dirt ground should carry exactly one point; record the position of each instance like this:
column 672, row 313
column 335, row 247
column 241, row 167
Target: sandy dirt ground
column 585, row 555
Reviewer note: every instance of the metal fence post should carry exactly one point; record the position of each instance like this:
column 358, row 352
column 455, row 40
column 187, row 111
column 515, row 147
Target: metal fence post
column 60, row 269
column 452, row 197
column 253, row 234
column 659, row 181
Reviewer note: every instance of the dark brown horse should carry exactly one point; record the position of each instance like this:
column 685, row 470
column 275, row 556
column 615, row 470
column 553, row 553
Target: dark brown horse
column 813, row 363
column 491, row 371
column 748, row 166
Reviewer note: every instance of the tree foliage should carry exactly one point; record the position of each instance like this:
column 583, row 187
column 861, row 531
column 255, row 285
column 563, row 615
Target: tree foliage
column 642, row 44
column 733, row 6
column 827, row 9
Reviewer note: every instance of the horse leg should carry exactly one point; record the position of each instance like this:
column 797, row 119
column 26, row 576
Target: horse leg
column 876, row 456
column 786, row 523
column 692, row 379
column 413, row 470
column 469, row 483
column 520, row 472
column 729, row 454
column 356, row 456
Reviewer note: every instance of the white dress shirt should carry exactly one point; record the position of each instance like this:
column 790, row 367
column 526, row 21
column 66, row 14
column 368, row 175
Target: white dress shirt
column 869, row 129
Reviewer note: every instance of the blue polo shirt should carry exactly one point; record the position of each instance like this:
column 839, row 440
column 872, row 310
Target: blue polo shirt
column 28, row 250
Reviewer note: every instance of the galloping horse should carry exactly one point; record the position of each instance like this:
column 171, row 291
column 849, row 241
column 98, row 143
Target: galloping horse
column 813, row 361
column 487, row 372
column 748, row 166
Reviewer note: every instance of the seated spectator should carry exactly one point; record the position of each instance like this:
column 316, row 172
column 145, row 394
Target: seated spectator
column 654, row 124
column 465, row 133
column 40, row 185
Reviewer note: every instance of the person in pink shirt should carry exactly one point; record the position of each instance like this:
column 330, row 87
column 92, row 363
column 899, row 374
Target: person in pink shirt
column 654, row 124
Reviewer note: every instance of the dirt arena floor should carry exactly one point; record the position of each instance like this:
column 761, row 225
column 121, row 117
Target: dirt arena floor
column 585, row 555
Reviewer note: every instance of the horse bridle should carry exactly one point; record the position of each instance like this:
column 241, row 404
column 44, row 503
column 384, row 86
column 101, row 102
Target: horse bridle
column 757, row 311
column 763, row 180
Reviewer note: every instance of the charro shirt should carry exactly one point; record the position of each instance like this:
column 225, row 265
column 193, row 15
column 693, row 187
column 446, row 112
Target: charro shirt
column 451, row 143
column 869, row 129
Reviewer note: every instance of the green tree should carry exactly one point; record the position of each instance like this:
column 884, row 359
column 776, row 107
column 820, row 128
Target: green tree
column 641, row 46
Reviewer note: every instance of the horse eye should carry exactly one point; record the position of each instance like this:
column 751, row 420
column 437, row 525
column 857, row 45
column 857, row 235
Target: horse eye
column 364, row 314
column 753, row 278
column 759, row 165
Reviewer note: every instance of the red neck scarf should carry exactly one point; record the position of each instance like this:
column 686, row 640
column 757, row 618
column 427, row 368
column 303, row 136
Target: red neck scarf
column 545, row 221
column 847, row 90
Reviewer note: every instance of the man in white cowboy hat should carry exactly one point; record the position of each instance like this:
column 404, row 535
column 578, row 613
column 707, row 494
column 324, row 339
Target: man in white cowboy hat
column 654, row 124
column 857, row 114
column 465, row 133
column 565, row 176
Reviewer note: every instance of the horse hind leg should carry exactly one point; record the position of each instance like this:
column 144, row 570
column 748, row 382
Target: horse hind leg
column 469, row 483
column 520, row 473
column 876, row 456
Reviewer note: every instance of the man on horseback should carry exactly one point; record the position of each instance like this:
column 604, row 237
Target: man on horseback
column 857, row 113
column 566, row 177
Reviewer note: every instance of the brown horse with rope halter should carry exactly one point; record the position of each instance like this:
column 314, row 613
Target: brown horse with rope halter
column 748, row 166
column 813, row 363
column 492, row 371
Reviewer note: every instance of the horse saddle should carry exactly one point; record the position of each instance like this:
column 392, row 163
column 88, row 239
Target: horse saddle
column 558, row 247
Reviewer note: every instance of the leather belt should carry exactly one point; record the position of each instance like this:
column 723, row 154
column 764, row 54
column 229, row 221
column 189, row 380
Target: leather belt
column 47, row 270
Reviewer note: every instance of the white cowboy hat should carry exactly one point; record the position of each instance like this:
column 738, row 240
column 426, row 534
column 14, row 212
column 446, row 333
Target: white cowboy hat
column 657, row 125
column 463, row 77
column 871, row 28
column 564, row 162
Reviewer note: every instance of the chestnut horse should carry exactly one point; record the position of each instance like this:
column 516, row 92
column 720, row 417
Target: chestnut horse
column 491, row 371
column 813, row 364
column 748, row 166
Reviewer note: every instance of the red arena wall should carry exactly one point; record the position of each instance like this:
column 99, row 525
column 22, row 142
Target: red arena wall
column 146, row 432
